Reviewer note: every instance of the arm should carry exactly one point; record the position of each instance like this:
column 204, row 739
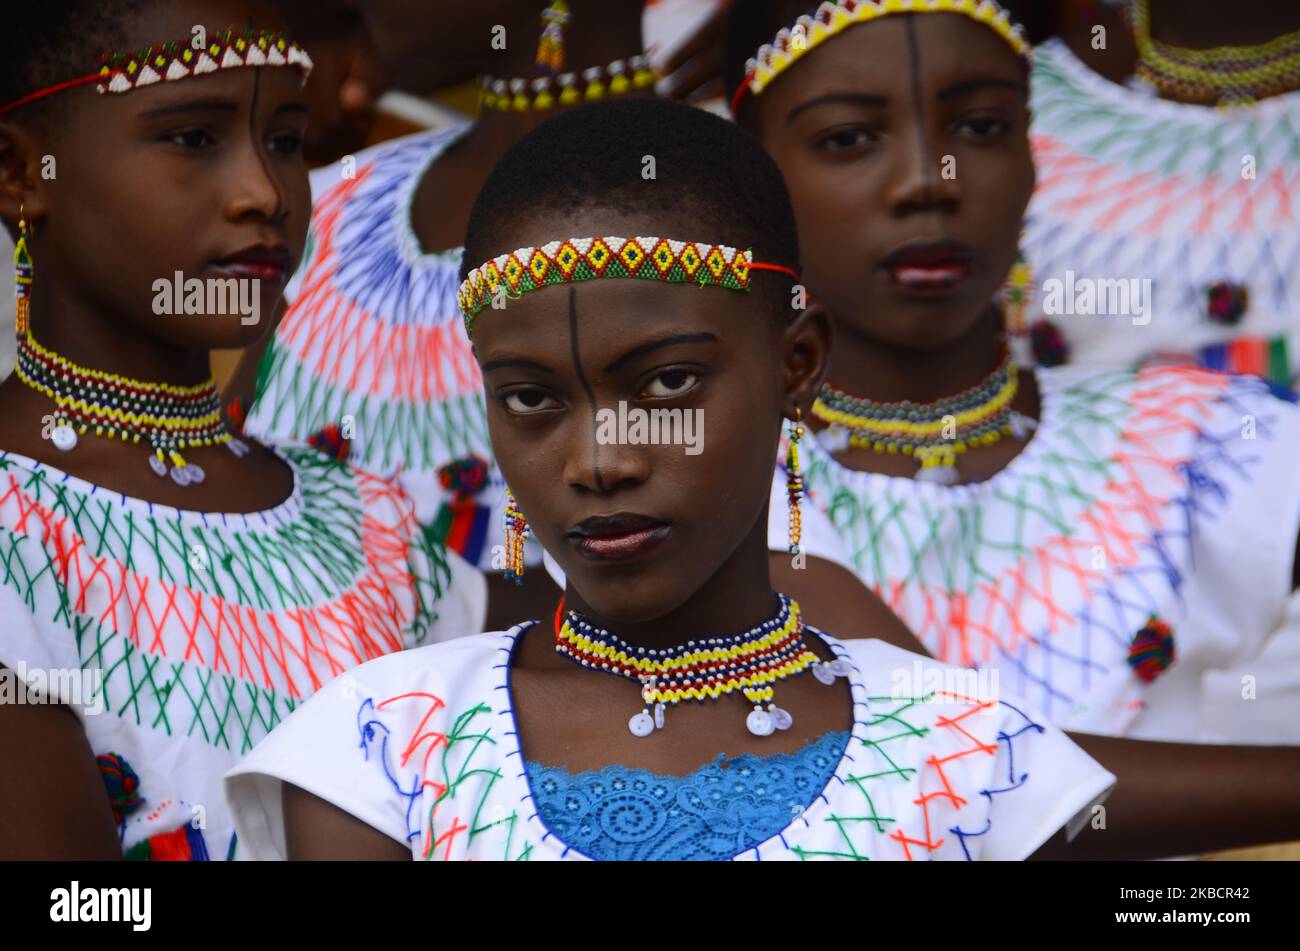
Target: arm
column 693, row 71
column 834, row 600
column 1186, row 798
column 51, row 794
column 317, row 830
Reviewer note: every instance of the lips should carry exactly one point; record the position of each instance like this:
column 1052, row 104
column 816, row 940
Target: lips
column 619, row 537
column 261, row 262
column 928, row 267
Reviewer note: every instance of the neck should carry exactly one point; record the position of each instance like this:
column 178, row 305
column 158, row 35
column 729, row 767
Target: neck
column 873, row 369
column 1192, row 24
column 81, row 331
column 596, row 36
column 738, row 597
column 1204, row 24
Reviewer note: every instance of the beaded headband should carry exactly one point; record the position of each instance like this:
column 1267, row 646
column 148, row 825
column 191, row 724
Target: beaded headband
column 833, row 18
column 123, row 72
column 588, row 259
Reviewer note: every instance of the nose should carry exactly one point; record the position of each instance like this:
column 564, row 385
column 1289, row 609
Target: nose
column 254, row 189
column 920, row 180
column 600, row 461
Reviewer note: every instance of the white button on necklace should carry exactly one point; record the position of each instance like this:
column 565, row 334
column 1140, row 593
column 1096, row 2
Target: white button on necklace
column 64, row 437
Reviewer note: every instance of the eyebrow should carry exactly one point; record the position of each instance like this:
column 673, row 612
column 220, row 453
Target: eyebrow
column 959, row 89
column 519, row 362
column 659, row 344
column 213, row 105
column 854, row 98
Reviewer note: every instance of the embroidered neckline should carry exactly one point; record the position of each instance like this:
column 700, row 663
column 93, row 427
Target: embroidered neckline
column 282, row 513
column 1056, row 56
column 532, row 805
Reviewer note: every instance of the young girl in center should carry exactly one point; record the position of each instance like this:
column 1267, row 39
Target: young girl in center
column 675, row 706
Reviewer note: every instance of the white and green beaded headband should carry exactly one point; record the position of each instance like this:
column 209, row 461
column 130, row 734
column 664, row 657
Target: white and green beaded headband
column 588, row 259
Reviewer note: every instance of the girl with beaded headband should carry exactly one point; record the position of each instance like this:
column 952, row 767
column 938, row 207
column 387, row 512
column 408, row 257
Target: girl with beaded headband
column 670, row 652
column 385, row 358
column 165, row 618
column 380, row 364
column 1093, row 557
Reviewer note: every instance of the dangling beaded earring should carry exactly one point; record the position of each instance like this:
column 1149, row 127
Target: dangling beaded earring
column 22, row 277
column 794, row 483
column 550, row 49
column 516, row 532
column 1015, row 297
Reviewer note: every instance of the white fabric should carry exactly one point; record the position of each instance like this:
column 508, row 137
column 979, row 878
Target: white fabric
column 422, row 745
column 1135, row 187
column 201, row 631
column 1137, row 495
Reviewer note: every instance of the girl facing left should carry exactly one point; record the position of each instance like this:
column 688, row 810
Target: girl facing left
column 168, row 592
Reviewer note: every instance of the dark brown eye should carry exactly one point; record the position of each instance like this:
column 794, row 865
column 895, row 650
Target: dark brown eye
column 524, row 402
column 983, row 127
column 193, row 138
column 670, row 383
column 844, row 140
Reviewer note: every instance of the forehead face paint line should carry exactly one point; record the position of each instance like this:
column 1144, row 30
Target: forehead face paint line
column 918, row 108
column 586, row 385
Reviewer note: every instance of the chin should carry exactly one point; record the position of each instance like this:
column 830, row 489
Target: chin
column 221, row 333
column 628, row 594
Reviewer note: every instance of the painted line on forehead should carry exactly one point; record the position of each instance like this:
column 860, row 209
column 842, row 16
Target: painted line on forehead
column 586, row 385
column 918, row 104
column 259, row 146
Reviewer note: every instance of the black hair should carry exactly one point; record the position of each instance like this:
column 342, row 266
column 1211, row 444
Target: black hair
column 753, row 23
column 46, row 42
column 593, row 157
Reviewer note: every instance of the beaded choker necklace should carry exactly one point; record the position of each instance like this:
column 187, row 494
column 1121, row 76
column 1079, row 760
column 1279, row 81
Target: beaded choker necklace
column 705, row 669
column 566, row 89
column 170, row 418
column 1226, row 75
column 934, row 434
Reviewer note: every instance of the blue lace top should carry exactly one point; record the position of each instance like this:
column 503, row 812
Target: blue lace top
column 717, row 812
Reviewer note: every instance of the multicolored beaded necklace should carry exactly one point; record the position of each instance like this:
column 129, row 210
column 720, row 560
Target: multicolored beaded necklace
column 703, row 669
column 934, row 434
column 1225, row 75
column 170, row 418
column 566, row 89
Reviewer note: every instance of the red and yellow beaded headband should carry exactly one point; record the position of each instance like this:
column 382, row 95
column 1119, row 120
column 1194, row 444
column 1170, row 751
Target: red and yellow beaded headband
column 589, row 259
column 835, row 16
column 123, row 72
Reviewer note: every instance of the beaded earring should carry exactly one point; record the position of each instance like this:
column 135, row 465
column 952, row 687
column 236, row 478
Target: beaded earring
column 1017, row 294
column 22, row 277
column 516, row 532
column 550, row 49
column 794, row 483
column 1015, row 297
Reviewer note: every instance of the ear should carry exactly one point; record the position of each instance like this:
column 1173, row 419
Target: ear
column 805, row 358
column 22, row 186
column 363, row 78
